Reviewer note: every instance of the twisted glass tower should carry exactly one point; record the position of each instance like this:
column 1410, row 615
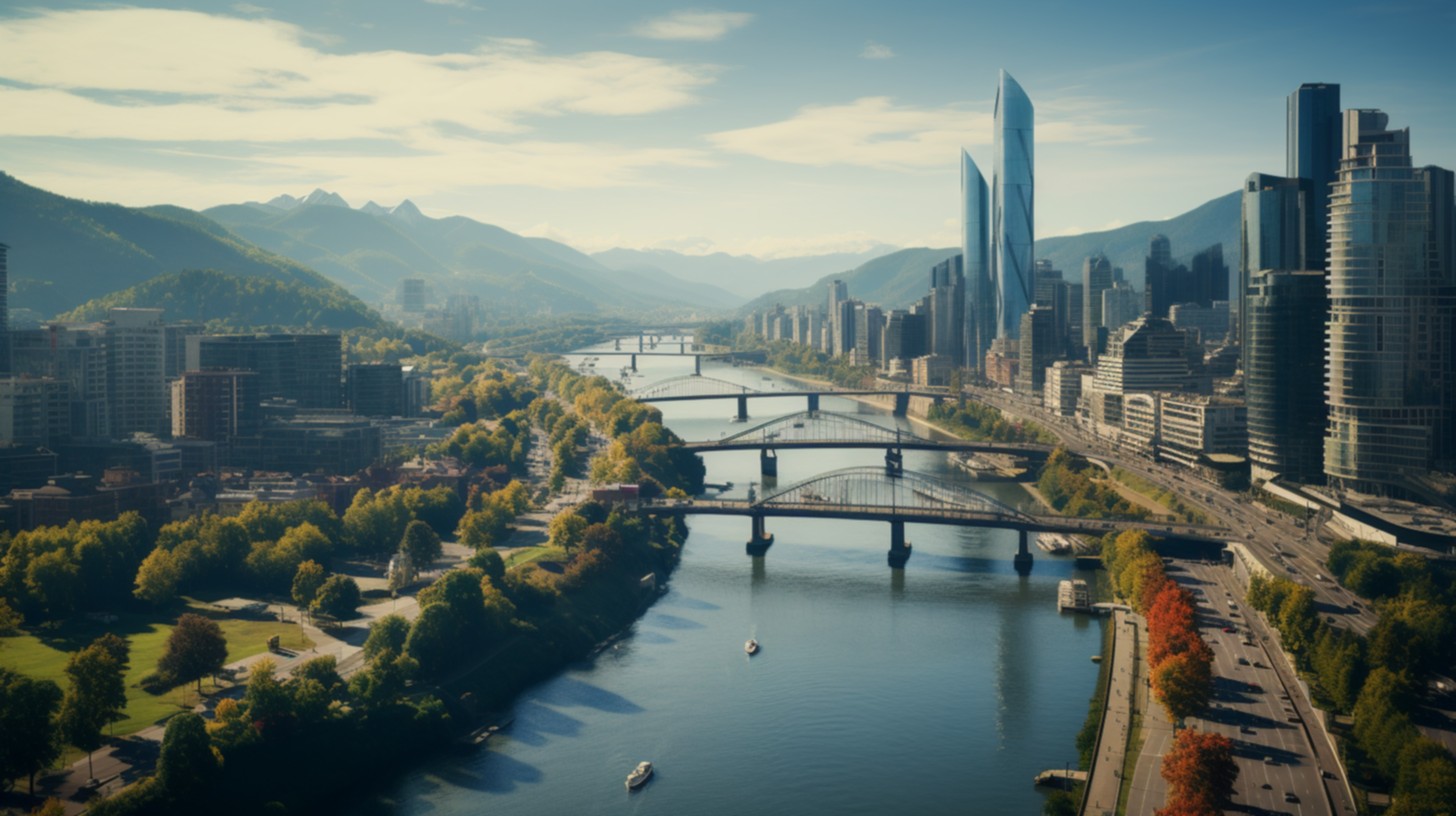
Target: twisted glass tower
column 975, row 252
column 1012, row 177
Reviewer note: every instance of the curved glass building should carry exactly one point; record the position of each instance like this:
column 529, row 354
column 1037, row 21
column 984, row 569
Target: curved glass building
column 980, row 291
column 1012, row 230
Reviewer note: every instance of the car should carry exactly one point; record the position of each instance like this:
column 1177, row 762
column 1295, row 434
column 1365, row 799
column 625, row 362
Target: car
column 1244, row 729
column 1268, row 760
column 1290, row 797
column 1255, row 687
column 1243, row 661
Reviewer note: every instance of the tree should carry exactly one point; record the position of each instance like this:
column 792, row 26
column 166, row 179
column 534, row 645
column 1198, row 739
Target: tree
column 567, row 530
column 306, row 582
column 195, row 649
column 487, row 560
column 187, row 764
column 434, row 640
column 157, row 578
column 50, row 807
column 1184, row 685
column 338, row 598
column 388, row 634
column 96, row 697
column 27, row 707
column 1200, row 773
column 420, row 543
column 266, row 699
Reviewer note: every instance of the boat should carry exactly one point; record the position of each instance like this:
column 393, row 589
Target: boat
column 1096, row 658
column 639, row 775
column 751, row 646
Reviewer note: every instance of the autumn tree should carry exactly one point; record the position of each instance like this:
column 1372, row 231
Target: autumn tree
column 1200, row 773
column 195, row 649
column 306, row 582
column 1184, row 684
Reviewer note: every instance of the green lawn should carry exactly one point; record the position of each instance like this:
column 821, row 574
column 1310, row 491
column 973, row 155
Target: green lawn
column 526, row 555
column 1165, row 497
column 43, row 654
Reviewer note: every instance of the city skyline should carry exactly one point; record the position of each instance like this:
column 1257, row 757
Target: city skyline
column 655, row 126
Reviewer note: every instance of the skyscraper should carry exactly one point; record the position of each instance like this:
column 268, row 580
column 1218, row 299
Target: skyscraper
column 947, row 310
column 136, row 367
column 4, row 311
column 1096, row 279
column 1313, row 153
column 1163, row 283
column 1012, row 225
column 1390, row 336
column 838, row 294
column 1284, row 388
column 1272, row 234
column 975, row 257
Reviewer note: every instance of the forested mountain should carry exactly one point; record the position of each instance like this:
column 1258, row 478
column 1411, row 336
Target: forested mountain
column 742, row 275
column 371, row 249
column 64, row 251
column 897, row 280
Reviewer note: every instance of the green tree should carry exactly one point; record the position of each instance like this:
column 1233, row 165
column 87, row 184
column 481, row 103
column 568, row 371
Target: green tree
column 567, row 531
column 96, row 697
column 186, row 765
column 488, row 561
column 195, row 649
column 387, row 634
column 434, row 640
column 53, row 579
column 27, row 710
column 421, row 543
column 306, row 582
column 338, row 598
column 157, row 578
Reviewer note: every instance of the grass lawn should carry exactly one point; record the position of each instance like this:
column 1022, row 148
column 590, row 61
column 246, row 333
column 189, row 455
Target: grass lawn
column 43, row 654
column 525, row 555
column 1163, row 496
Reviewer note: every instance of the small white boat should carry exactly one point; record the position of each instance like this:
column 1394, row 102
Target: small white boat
column 639, row 775
column 751, row 646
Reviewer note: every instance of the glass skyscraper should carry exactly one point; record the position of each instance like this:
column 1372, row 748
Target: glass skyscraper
column 1313, row 153
column 1275, row 211
column 1283, row 386
column 1390, row 334
column 980, row 291
column 1012, row 227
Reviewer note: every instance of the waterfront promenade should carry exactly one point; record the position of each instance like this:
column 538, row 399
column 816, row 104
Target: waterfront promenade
column 1105, row 782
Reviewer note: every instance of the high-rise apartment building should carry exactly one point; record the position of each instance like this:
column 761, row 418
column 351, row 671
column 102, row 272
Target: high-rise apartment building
column 1282, row 384
column 1096, row 279
column 1273, row 233
column 136, row 371
column 1391, row 331
column 216, row 406
column 1312, row 152
column 1039, row 346
column 948, row 310
column 34, row 411
column 305, row 368
column 839, row 342
column 975, row 254
column 869, row 333
column 78, row 354
column 1012, row 224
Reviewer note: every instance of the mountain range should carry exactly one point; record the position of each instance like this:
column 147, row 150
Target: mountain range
column 743, row 275
column 900, row 279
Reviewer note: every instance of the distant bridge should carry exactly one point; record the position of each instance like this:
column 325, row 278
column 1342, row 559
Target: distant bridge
column 722, row 354
column 867, row 494
column 811, row 430
column 689, row 388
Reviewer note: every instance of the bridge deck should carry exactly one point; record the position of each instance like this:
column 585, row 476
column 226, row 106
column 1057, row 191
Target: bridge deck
column 907, row 443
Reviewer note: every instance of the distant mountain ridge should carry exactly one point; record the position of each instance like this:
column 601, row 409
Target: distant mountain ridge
column 900, row 279
column 744, row 275
column 371, row 249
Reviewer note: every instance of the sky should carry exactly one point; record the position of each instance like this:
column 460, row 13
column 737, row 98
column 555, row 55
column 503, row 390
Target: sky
column 767, row 128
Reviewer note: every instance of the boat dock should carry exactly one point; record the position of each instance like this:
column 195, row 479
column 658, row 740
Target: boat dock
column 1073, row 594
column 1060, row 778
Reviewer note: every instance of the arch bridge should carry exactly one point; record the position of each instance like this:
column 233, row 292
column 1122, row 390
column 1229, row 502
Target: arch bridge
column 866, row 494
column 678, row 389
column 809, row 430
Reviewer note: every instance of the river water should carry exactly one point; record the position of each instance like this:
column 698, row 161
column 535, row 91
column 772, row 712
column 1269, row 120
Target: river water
column 941, row 689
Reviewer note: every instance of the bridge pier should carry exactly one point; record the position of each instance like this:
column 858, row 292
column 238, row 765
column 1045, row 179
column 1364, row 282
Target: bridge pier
column 618, row 345
column 902, row 403
column 697, row 365
column 634, row 362
column 742, row 415
column 1023, row 558
column 894, row 463
column 641, row 342
column 813, row 402
column 768, row 463
column 761, row 540
column 899, row 547
column 682, row 347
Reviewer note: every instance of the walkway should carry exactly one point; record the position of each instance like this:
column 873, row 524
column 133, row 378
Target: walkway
column 1106, row 774
column 1148, row 790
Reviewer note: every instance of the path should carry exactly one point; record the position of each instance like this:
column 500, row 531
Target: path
column 1148, row 790
column 1106, row 774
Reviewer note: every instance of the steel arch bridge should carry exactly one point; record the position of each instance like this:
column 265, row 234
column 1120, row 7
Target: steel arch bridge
column 816, row 426
column 693, row 385
column 869, row 487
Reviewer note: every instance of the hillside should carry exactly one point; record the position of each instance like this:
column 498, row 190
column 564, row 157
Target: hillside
column 743, row 275
column 209, row 296
column 897, row 280
column 370, row 249
column 64, row 251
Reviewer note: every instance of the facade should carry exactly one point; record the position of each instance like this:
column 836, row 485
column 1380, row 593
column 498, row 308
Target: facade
column 1272, row 233
column 412, row 295
column 838, row 294
column 174, row 348
column 1210, row 281
column 975, row 254
column 376, row 389
column 1148, row 354
column 1063, row 387
column 1312, row 153
column 931, row 370
column 76, row 353
column 904, row 335
column 1096, row 279
column 309, row 443
column 1390, row 334
column 1284, row 389
column 947, row 301
column 4, row 309
column 215, row 405
column 1039, row 346
column 305, row 368
column 1211, row 323
column 869, row 333
column 1012, row 212
column 1120, row 305
column 34, row 411
column 1003, row 362
column 1193, row 426
column 136, row 371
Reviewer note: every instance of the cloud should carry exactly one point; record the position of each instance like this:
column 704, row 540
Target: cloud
column 876, row 51
column 101, row 75
column 699, row 26
column 875, row 132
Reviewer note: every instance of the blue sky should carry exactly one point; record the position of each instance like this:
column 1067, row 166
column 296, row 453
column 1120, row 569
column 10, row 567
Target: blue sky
column 769, row 128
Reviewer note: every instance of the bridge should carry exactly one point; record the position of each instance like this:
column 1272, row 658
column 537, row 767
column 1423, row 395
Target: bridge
column 683, row 351
column 693, row 387
column 865, row 494
column 810, row 430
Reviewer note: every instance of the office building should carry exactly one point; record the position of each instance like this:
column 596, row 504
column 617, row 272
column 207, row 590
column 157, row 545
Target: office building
column 1283, row 385
column 76, row 353
column 1012, row 224
column 1164, row 283
column 376, row 389
column 34, row 411
column 1209, row 281
column 1272, row 233
column 931, row 369
column 4, row 309
column 1312, row 153
column 1096, row 279
column 1193, row 427
column 304, row 368
column 947, row 301
column 216, row 406
column 413, row 295
column 976, row 261
column 1063, row 387
column 1039, row 346
column 136, row 371
column 1209, row 324
column 24, row 466
column 904, row 335
column 1120, row 305
column 1390, row 336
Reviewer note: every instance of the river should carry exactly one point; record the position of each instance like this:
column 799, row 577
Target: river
column 940, row 689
